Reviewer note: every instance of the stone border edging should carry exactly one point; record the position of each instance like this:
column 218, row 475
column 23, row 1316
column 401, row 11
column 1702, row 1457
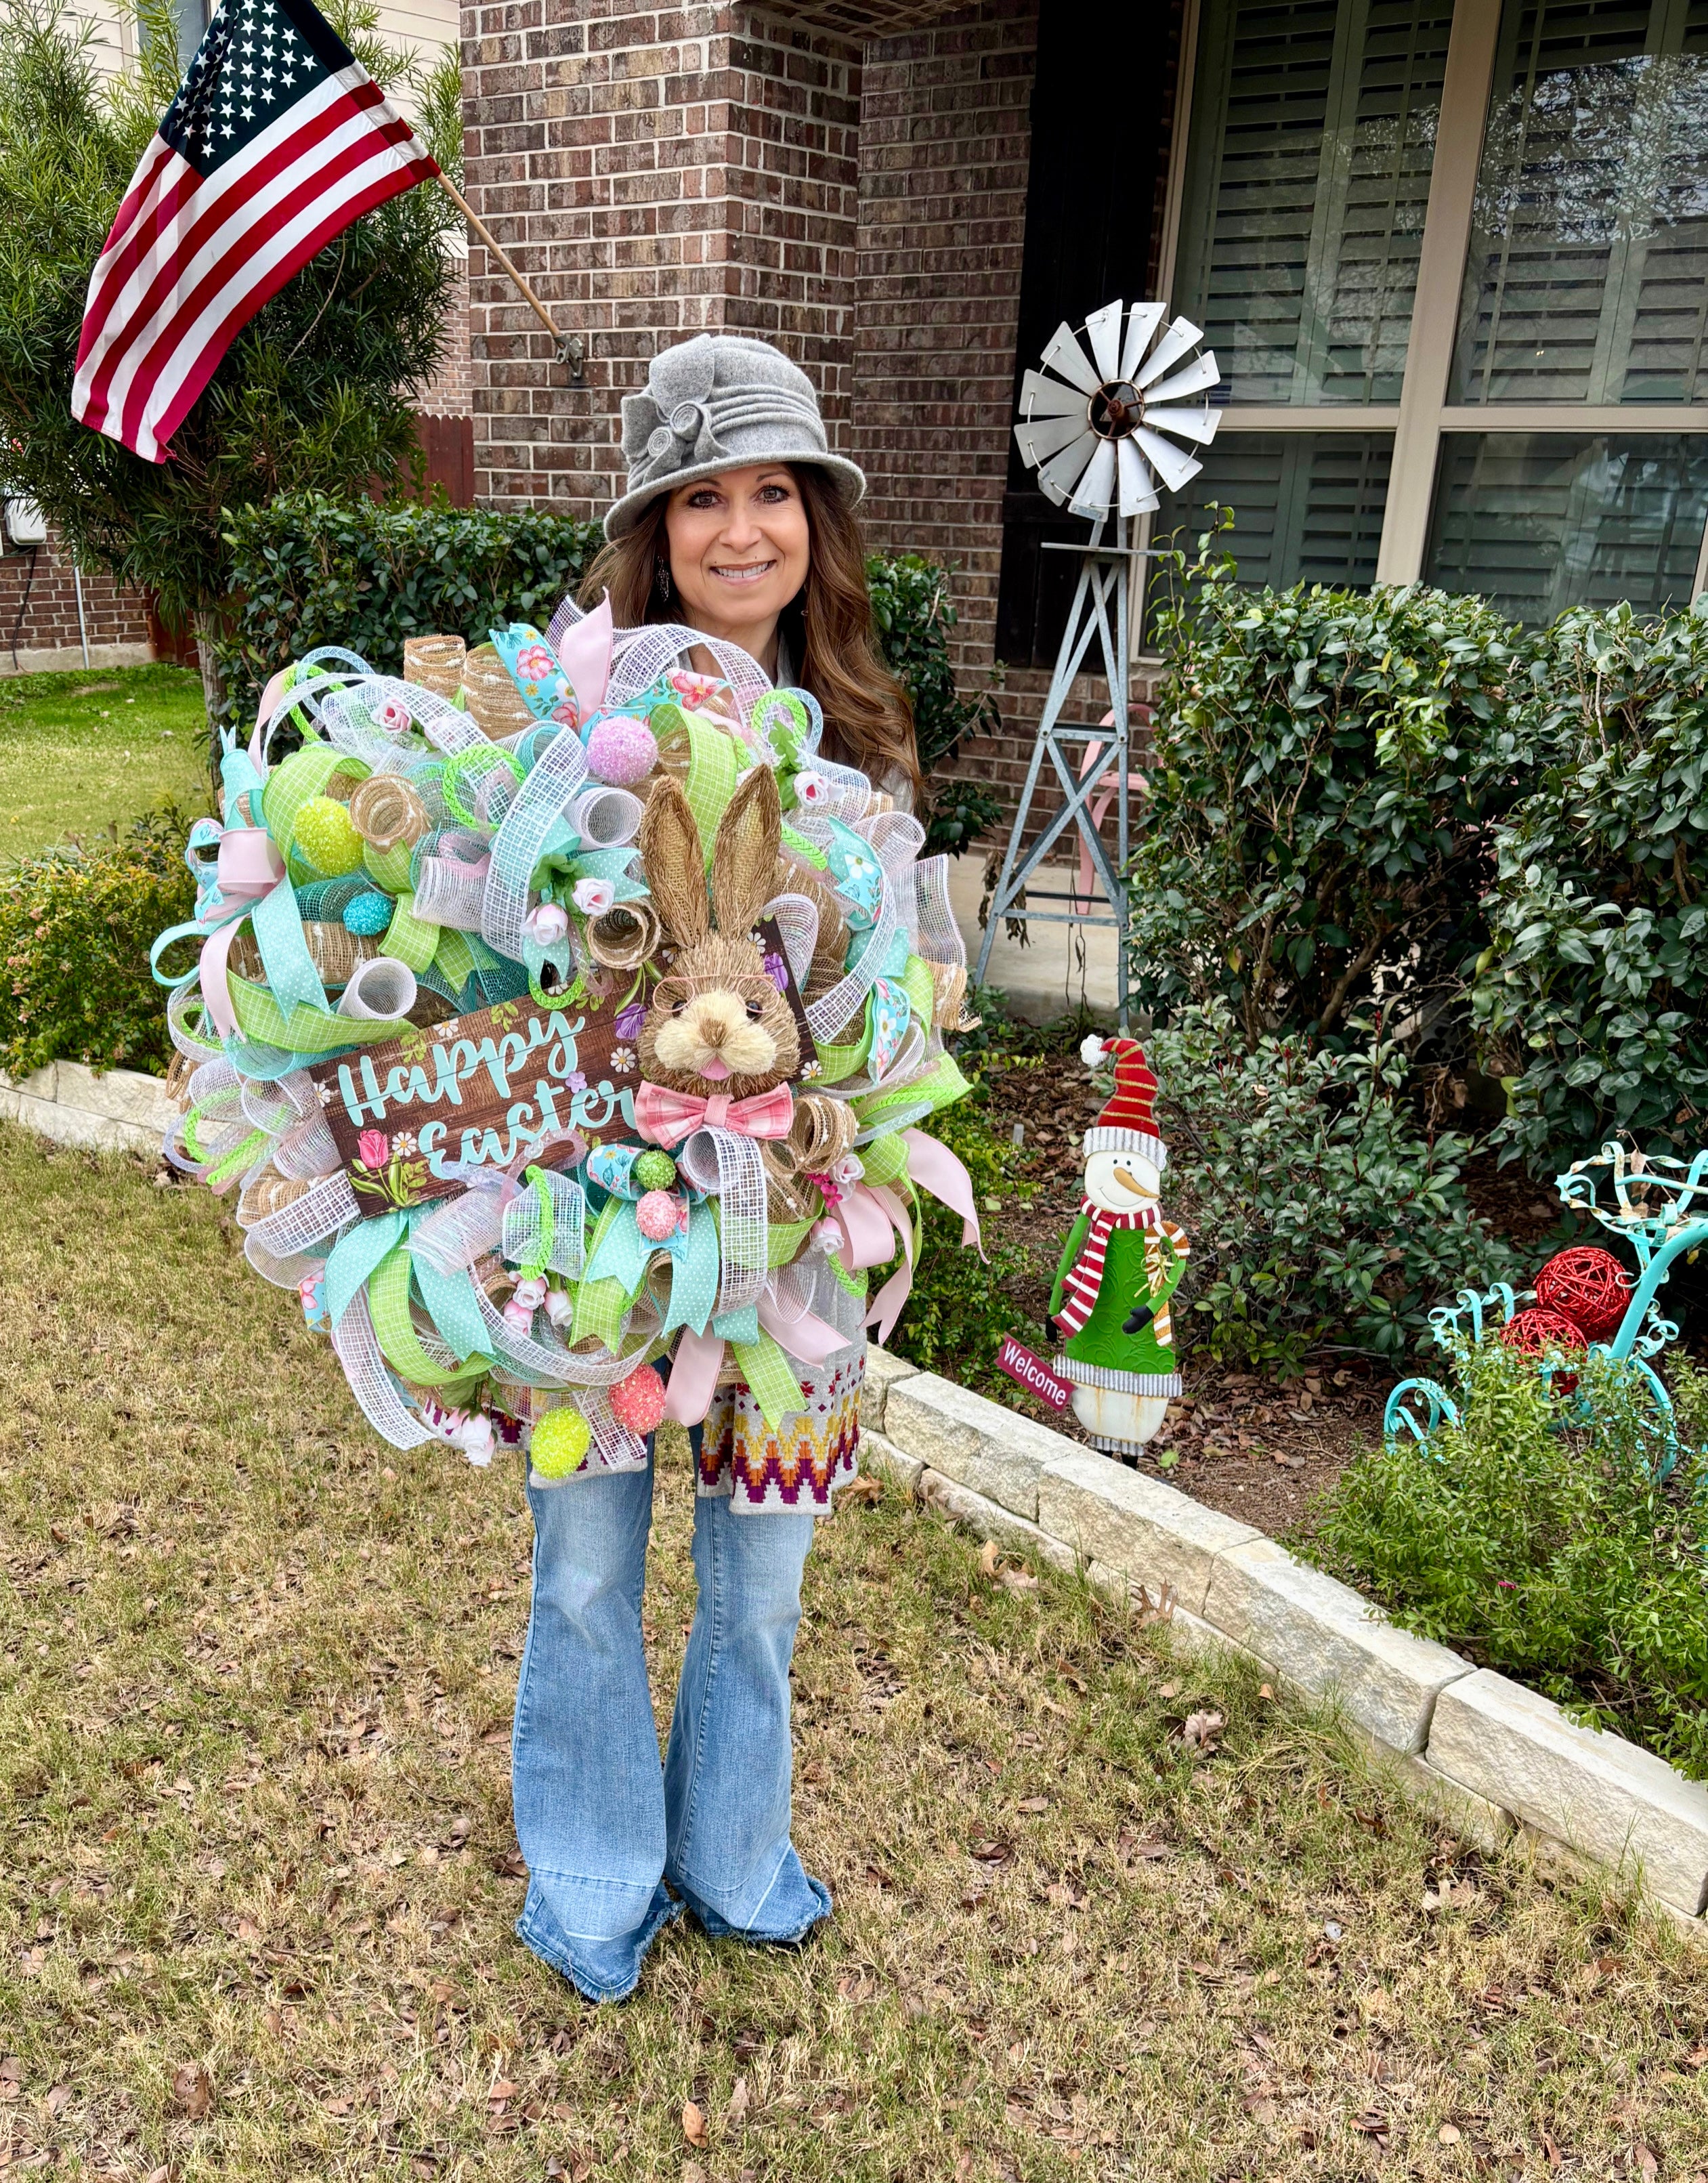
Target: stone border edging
column 1491, row 1755
column 121, row 1110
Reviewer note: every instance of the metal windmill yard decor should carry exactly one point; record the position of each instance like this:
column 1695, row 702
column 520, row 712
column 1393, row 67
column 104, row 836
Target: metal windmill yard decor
column 1102, row 431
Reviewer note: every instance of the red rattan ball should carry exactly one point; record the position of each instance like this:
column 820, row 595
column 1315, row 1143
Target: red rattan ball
column 1535, row 1330
column 1587, row 1285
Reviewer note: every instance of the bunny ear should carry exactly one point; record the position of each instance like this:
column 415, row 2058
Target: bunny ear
column 674, row 863
column 744, row 856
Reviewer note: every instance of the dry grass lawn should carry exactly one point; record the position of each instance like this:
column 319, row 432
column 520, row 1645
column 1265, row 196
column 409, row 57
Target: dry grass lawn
column 260, row 1877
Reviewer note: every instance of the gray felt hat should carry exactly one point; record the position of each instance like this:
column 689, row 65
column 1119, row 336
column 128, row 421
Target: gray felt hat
column 720, row 401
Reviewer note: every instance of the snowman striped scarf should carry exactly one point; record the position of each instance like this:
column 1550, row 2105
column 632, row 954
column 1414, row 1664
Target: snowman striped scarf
column 1084, row 1276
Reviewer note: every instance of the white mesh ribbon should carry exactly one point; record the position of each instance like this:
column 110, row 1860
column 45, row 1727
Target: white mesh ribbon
column 606, row 817
column 549, row 1364
column 449, row 892
column 184, row 1016
column 939, row 935
column 289, row 1272
column 463, row 1229
column 321, row 1211
column 731, row 1168
column 525, row 1231
column 640, row 656
column 796, row 918
column 307, row 1150
column 358, row 1352
column 382, row 990
column 540, row 803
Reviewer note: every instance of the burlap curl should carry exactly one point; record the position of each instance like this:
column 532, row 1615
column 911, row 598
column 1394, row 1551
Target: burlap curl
column 435, row 662
column 626, row 937
column 496, row 707
column 334, row 951
column 385, row 810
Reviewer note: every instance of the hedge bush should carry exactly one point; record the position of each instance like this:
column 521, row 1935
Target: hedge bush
column 76, row 928
column 308, row 569
column 1321, row 1216
column 1324, row 767
column 1592, row 999
column 1540, row 1544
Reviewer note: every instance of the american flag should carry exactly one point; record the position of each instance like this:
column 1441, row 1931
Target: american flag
column 277, row 141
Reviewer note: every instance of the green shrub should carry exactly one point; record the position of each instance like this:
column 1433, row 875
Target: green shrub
column 308, row 569
column 1324, row 767
column 1319, row 1216
column 1592, row 1000
column 914, row 615
column 959, row 1310
column 76, row 928
column 1545, row 1548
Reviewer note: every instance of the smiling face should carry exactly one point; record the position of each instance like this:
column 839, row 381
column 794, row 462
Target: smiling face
column 1121, row 1182
column 739, row 547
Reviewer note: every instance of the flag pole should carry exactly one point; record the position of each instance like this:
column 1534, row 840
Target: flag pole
column 569, row 349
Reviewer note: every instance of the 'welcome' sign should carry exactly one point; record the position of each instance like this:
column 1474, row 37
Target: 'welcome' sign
column 475, row 1091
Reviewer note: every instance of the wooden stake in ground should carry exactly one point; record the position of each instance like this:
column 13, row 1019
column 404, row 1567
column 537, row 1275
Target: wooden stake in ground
column 569, row 346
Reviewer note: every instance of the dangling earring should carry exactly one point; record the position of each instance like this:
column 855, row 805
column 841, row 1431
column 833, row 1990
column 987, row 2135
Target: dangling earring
column 661, row 578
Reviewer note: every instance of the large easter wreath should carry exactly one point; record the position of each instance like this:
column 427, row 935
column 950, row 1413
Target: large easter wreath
column 557, row 1014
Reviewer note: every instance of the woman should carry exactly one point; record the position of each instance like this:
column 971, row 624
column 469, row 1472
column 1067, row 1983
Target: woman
column 738, row 522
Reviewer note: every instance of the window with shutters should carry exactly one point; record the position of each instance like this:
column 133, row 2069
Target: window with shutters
column 1452, row 257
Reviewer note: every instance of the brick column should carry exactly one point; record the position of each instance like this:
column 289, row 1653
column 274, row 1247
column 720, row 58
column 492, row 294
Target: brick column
column 654, row 174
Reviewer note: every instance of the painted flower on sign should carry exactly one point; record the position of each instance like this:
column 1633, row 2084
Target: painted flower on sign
column 777, row 970
column 629, row 1020
column 373, row 1149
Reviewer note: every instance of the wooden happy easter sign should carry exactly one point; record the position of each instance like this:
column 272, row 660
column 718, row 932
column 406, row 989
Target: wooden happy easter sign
column 474, row 1091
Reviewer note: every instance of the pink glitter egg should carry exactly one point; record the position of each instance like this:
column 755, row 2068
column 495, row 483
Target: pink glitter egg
column 654, row 1216
column 621, row 752
column 637, row 1402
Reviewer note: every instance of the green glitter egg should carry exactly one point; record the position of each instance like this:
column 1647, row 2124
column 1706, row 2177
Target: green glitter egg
column 654, row 1171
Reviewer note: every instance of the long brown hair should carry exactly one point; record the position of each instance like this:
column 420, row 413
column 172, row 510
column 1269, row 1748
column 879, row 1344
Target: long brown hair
column 828, row 627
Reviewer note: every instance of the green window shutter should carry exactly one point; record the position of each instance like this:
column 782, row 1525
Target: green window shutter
column 1312, row 136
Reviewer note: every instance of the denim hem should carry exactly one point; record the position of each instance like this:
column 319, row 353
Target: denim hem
column 720, row 1928
column 659, row 1915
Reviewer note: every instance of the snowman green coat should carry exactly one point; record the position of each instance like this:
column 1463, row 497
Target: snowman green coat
column 1101, row 1354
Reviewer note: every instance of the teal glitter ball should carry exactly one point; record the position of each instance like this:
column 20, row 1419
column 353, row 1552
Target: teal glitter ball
column 654, row 1171
column 368, row 915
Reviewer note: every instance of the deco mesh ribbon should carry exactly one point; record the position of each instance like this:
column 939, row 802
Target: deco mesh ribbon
column 400, row 903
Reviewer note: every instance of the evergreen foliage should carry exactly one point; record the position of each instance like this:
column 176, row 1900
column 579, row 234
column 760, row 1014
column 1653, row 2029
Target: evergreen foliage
column 315, row 390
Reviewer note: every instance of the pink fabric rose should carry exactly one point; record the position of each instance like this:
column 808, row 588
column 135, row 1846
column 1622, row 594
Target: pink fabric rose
column 593, row 897
column 393, row 716
column 547, row 923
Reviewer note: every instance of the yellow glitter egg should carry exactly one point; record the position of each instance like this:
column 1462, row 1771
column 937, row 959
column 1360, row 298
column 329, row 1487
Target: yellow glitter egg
column 561, row 1443
column 326, row 835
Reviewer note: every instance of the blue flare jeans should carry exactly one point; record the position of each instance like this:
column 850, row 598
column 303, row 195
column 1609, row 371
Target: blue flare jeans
column 603, row 1828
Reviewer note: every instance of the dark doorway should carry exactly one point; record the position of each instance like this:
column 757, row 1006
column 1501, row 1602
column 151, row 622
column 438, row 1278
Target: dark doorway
column 1100, row 102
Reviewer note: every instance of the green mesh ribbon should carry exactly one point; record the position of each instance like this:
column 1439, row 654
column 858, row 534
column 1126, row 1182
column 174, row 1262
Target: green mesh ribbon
column 942, row 1085
column 714, row 763
column 303, row 776
column 767, row 1371
column 388, row 1305
column 303, row 1031
column 837, row 1062
column 408, row 938
column 388, row 868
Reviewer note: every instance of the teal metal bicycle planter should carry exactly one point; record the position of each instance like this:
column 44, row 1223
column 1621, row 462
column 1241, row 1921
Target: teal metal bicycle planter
column 1659, row 1207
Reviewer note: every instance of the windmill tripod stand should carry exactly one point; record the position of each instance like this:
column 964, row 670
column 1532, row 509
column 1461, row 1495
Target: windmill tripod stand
column 1090, row 764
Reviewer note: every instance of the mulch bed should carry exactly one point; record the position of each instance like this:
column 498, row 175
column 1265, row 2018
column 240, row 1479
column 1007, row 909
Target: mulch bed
column 1237, row 1441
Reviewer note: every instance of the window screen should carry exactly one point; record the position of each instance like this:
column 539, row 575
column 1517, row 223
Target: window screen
column 1539, row 521
column 1313, row 130
column 1587, row 276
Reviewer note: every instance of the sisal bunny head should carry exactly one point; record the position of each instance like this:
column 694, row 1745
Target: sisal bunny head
column 716, row 1021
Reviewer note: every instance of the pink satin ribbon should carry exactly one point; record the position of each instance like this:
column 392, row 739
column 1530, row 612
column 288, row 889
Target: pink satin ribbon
column 699, row 1358
column 249, row 867
column 668, row 1117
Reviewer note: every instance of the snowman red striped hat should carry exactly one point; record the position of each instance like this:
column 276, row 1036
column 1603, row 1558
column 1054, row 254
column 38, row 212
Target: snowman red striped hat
column 1128, row 1122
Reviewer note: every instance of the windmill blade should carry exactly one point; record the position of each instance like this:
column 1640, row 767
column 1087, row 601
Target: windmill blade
column 1170, row 464
column 1048, row 398
column 1137, row 496
column 1170, row 350
column 1198, row 378
column 1143, row 321
column 1097, row 487
column 1103, row 331
column 1065, row 356
column 1061, row 475
column 1039, row 438
column 1198, row 425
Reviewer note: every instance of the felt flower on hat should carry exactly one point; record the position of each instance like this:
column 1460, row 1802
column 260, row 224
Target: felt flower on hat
column 667, row 426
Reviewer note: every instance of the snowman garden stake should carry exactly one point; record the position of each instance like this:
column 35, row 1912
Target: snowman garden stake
column 1121, row 1262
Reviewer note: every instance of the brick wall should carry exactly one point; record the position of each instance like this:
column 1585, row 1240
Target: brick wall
column 944, row 149
column 45, row 633
column 654, row 174
column 450, row 392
